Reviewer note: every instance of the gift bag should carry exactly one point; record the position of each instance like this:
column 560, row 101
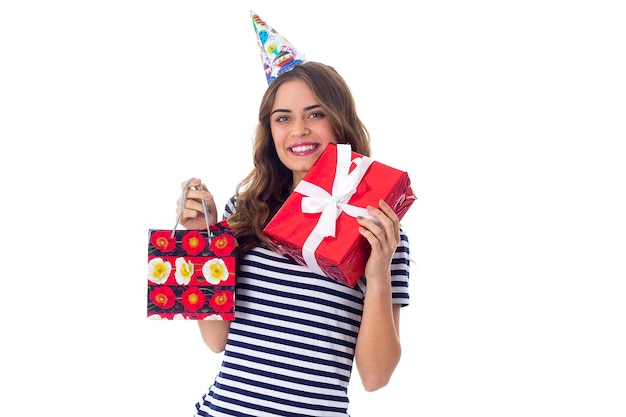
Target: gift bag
column 191, row 273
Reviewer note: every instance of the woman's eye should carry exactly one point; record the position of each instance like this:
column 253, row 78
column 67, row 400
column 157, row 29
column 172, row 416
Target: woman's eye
column 316, row 115
column 281, row 118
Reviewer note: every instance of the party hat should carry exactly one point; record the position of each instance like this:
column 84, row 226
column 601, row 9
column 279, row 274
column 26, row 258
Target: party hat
column 277, row 53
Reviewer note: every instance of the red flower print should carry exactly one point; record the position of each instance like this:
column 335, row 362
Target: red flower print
column 193, row 299
column 163, row 240
column 163, row 297
column 222, row 301
column 223, row 245
column 194, row 242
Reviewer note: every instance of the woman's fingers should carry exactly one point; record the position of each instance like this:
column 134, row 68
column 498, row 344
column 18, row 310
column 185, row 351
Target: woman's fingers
column 382, row 233
column 193, row 216
column 392, row 228
column 386, row 224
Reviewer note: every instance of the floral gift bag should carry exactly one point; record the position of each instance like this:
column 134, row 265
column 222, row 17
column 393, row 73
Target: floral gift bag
column 191, row 273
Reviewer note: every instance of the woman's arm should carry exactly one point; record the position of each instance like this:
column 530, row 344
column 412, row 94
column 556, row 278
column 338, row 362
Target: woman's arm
column 378, row 348
column 214, row 333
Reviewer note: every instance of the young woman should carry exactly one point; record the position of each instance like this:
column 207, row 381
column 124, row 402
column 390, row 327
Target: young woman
column 290, row 349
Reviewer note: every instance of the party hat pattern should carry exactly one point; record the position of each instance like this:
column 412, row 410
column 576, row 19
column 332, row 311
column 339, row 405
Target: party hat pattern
column 277, row 53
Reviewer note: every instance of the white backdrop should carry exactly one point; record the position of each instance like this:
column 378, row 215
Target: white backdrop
column 508, row 116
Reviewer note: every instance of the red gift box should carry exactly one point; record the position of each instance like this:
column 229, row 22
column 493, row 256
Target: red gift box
column 317, row 225
column 191, row 274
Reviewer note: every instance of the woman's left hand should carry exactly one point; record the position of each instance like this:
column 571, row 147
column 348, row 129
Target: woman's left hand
column 383, row 236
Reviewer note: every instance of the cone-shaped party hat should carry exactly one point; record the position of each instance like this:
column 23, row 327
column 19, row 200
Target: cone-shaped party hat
column 277, row 53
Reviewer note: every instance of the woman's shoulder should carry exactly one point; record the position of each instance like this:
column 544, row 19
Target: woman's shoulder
column 230, row 207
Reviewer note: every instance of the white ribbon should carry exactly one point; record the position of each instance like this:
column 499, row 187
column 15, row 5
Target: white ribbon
column 318, row 200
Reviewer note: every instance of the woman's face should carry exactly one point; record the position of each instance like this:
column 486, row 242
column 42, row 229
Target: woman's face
column 300, row 127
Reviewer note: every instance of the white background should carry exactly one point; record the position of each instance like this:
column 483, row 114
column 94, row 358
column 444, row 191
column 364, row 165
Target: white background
column 508, row 116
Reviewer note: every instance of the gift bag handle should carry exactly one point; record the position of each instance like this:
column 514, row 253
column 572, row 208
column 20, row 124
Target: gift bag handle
column 182, row 203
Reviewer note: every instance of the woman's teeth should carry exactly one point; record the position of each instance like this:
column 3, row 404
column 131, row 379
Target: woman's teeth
column 303, row 148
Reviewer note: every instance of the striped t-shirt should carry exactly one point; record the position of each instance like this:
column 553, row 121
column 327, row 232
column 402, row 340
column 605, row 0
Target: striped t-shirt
column 291, row 345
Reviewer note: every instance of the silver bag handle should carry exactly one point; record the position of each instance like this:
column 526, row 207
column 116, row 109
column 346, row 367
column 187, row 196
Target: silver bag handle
column 182, row 204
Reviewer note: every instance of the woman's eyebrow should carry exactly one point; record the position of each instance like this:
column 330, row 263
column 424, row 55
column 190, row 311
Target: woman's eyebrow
column 314, row 106
column 280, row 111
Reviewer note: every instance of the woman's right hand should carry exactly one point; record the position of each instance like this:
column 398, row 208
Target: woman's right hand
column 192, row 217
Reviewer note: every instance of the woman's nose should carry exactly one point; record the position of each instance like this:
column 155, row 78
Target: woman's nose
column 299, row 129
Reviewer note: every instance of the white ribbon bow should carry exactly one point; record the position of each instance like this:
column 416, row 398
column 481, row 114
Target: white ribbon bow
column 318, row 200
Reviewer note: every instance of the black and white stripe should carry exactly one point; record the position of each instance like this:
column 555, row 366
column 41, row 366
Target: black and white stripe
column 291, row 346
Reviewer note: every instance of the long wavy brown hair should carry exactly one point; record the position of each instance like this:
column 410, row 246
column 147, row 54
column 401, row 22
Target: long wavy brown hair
column 263, row 191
